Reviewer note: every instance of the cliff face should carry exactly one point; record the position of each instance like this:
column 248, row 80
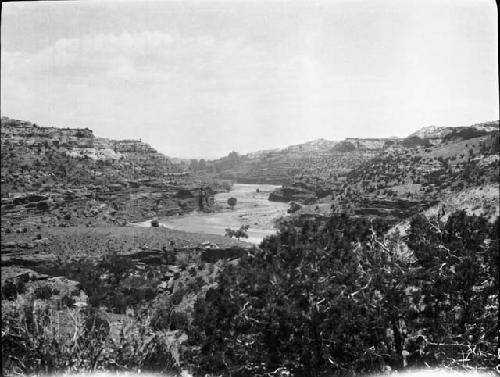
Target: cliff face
column 321, row 160
column 432, row 132
column 317, row 159
column 19, row 132
column 68, row 176
column 437, row 135
column 371, row 143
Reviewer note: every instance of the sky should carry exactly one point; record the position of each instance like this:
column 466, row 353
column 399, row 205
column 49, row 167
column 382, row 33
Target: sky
column 199, row 79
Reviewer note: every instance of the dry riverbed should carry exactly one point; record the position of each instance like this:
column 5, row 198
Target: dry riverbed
column 252, row 208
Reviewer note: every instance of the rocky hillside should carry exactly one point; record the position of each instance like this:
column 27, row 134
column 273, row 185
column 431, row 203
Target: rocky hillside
column 68, row 176
column 67, row 260
column 396, row 177
column 313, row 159
column 440, row 134
column 324, row 160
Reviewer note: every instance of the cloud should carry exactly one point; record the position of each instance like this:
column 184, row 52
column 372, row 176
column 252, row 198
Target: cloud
column 143, row 57
column 177, row 88
column 156, row 64
column 205, row 95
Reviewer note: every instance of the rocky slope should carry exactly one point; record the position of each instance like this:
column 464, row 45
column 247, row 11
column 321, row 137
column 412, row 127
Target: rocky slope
column 439, row 134
column 322, row 159
column 357, row 171
column 68, row 176
column 432, row 132
column 66, row 195
column 394, row 178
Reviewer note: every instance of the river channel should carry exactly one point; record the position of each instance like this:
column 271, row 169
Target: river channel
column 252, row 208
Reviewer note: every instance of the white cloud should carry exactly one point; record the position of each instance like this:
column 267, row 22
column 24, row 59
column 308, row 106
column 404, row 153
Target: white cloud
column 147, row 56
column 178, row 88
column 289, row 79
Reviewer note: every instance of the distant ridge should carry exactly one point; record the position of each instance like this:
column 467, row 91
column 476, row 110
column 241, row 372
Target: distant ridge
column 431, row 132
column 439, row 132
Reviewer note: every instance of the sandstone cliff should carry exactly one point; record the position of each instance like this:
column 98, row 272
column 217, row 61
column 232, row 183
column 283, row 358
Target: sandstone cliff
column 64, row 176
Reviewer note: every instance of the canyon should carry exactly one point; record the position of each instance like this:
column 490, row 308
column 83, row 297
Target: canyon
column 116, row 228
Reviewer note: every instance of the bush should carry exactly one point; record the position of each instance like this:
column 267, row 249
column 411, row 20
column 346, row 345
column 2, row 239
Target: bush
column 240, row 233
column 101, row 281
column 232, row 202
column 344, row 146
column 178, row 321
column 415, row 141
column 44, row 292
column 270, row 310
column 178, row 295
column 67, row 301
column 458, row 278
column 10, row 289
column 161, row 318
column 32, row 343
column 334, row 296
column 294, row 207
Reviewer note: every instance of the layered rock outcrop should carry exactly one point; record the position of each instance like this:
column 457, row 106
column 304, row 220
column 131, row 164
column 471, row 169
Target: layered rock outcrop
column 68, row 176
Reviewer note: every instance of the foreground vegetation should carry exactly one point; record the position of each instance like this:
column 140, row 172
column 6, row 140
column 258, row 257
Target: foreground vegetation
column 336, row 295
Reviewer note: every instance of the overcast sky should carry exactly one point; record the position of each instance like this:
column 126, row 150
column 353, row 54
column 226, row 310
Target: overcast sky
column 200, row 78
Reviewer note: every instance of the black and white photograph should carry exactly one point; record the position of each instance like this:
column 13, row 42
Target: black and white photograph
column 250, row 188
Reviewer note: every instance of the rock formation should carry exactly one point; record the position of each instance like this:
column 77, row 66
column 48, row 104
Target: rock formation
column 64, row 176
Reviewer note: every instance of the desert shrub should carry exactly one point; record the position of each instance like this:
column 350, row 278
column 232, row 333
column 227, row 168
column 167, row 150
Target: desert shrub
column 117, row 265
column 199, row 283
column 102, row 281
column 182, row 260
column 10, row 289
column 465, row 133
column 344, row 146
column 117, row 302
column 334, row 296
column 294, row 207
column 415, row 141
column 240, row 233
column 299, row 303
column 232, row 202
column 160, row 319
column 141, row 347
column 178, row 295
column 136, row 295
column 67, row 301
column 32, row 342
column 44, row 292
column 178, row 321
column 458, row 281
